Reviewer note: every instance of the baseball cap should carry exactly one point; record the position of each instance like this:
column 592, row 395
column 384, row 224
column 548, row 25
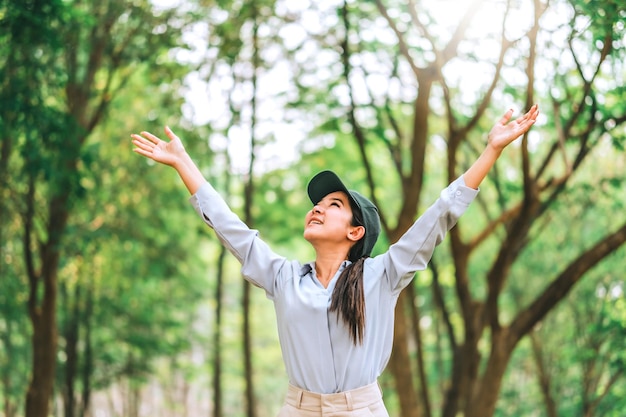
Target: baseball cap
column 327, row 182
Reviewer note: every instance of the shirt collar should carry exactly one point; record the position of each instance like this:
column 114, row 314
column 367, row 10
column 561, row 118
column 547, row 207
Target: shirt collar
column 308, row 267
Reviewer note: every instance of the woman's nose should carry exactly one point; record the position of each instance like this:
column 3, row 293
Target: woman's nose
column 317, row 209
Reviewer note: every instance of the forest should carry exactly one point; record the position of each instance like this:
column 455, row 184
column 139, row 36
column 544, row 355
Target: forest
column 117, row 300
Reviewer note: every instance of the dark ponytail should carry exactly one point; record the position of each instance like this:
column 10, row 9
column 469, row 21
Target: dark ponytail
column 348, row 297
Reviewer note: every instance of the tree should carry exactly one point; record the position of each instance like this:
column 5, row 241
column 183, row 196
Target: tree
column 238, row 45
column 477, row 374
column 402, row 93
column 378, row 81
column 66, row 62
column 416, row 91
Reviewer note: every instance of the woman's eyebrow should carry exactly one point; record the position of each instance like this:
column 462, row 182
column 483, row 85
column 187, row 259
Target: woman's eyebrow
column 342, row 200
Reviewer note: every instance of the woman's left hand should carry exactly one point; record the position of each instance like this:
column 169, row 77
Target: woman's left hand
column 503, row 133
column 150, row 146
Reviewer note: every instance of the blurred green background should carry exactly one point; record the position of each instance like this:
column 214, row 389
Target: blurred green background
column 116, row 300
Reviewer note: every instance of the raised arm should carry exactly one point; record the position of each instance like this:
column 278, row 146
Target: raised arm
column 170, row 153
column 500, row 136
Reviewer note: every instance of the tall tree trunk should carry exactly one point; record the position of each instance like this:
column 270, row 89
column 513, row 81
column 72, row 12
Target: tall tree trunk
column 87, row 368
column 484, row 394
column 217, row 337
column 249, row 201
column 44, row 342
column 421, row 361
column 42, row 312
column 400, row 363
column 247, row 346
column 400, row 360
column 412, row 185
column 39, row 392
column 71, row 335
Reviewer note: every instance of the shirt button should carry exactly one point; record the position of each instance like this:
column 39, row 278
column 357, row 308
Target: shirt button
column 458, row 192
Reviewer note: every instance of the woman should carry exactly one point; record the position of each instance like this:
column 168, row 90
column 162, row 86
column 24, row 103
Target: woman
column 335, row 315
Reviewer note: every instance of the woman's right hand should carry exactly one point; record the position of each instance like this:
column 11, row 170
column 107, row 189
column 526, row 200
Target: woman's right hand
column 168, row 153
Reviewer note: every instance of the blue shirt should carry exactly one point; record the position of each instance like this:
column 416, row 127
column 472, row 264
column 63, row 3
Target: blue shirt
column 318, row 353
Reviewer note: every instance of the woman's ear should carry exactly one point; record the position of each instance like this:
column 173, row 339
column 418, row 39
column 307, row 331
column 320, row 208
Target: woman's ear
column 356, row 233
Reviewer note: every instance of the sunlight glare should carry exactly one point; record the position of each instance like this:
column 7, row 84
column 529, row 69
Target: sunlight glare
column 487, row 20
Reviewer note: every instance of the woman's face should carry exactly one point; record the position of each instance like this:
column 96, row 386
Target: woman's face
column 330, row 220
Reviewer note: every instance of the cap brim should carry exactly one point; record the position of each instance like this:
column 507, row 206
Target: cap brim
column 324, row 183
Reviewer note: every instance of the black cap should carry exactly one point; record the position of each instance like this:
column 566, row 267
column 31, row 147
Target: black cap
column 327, row 182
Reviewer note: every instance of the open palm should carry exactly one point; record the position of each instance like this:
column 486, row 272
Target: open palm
column 152, row 147
column 503, row 133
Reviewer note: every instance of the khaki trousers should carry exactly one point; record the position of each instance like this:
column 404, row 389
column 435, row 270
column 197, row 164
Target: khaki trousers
column 366, row 401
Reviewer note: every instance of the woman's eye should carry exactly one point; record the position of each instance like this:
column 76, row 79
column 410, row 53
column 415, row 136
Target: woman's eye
column 334, row 204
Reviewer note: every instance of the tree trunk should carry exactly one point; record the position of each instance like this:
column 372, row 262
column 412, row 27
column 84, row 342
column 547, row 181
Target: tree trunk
column 412, row 185
column 417, row 334
column 247, row 348
column 484, row 396
column 71, row 335
column 87, row 369
column 217, row 337
column 42, row 312
column 400, row 363
column 44, row 343
column 466, row 359
column 249, row 202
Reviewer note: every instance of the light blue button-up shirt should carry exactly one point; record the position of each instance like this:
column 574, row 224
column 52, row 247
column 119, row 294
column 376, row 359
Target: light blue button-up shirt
column 317, row 350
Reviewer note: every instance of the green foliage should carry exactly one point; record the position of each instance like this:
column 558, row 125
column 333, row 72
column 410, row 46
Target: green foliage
column 579, row 347
column 606, row 18
column 141, row 274
column 66, row 64
column 15, row 346
column 137, row 265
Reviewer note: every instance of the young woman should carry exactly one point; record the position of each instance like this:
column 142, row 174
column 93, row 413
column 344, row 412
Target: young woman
column 335, row 315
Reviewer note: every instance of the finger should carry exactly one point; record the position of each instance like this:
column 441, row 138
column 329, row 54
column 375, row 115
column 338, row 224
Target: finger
column 151, row 137
column 530, row 115
column 525, row 125
column 170, row 134
column 142, row 152
column 507, row 116
column 533, row 112
column 142, row 142
column 143, row 147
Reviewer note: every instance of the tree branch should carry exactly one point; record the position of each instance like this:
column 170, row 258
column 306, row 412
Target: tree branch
column 450, row 50
column 504, row 218
column 402, row 45
column 356, row 127
column 560, row 287
column 607, row 388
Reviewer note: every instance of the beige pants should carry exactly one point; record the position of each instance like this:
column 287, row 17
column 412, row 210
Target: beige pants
column 366, row 401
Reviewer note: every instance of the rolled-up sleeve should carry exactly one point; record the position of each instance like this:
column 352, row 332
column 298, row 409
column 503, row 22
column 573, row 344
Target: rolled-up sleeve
column 259, row 264
column 414, row 249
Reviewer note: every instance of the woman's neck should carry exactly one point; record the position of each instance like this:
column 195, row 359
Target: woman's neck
column 326, row 266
